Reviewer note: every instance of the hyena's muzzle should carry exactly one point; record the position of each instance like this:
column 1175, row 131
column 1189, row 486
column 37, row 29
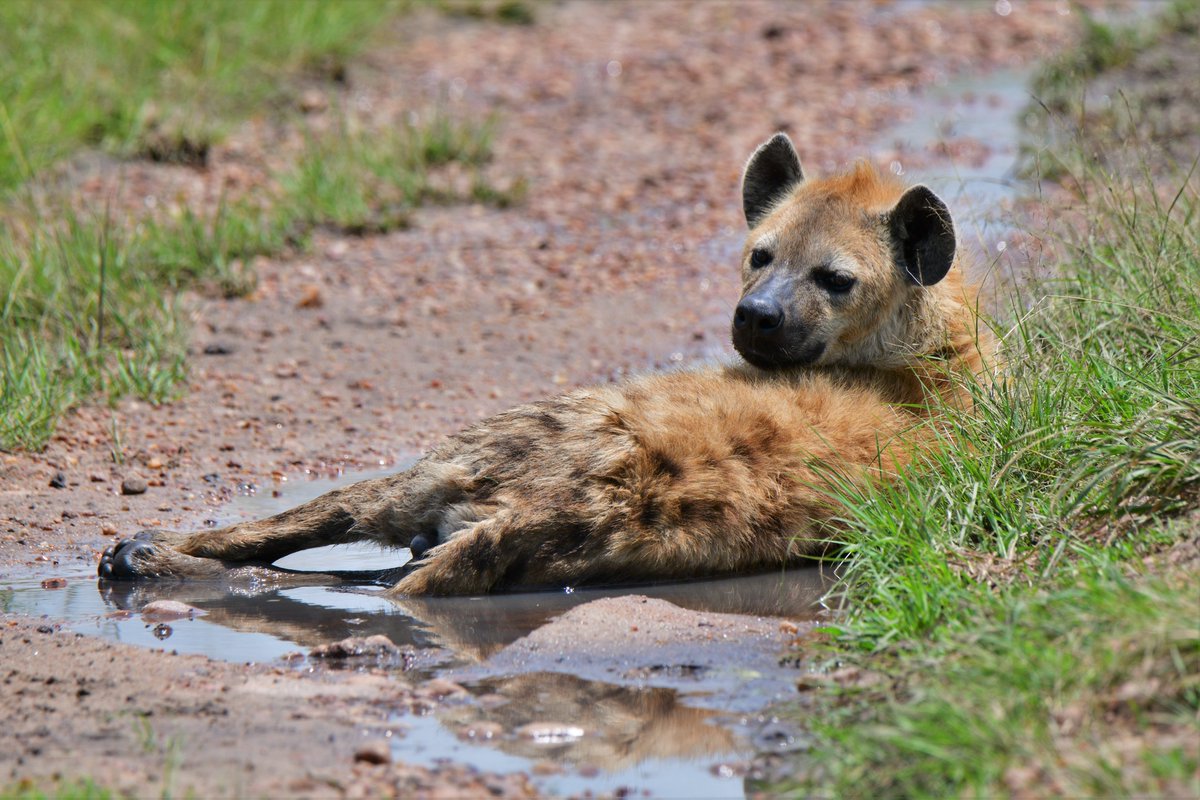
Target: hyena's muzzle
column 768, row 332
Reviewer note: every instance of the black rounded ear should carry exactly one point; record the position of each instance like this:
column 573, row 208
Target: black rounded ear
column 770, row 173
column 923, row 234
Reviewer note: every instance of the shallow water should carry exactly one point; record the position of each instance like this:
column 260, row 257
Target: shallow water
column 256, row 624
column 672, row 730
column 964, row 138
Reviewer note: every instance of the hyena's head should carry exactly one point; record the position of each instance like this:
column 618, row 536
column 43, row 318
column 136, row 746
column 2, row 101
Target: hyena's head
column 834, row 269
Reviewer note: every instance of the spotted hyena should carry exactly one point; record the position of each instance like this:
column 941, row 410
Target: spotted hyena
column 853, row 316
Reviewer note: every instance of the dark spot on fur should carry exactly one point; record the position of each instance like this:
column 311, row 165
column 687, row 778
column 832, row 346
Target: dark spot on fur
column 757, row 445
column 514, row 448
column 768, row 431
column 741, row 448
column 483, row 554
column 700, row 512
column 483, row 487
column 663, row 464
column 573, row 538
column 650, row 513
column 577, row 495
column 614, row 421
column 548, row 420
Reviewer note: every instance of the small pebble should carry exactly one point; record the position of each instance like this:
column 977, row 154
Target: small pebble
column 54, row 583
column 310, row 297
column 133, row 485
column 159, row 610
column 440, row 687
column 374, row 753
column 376, row 645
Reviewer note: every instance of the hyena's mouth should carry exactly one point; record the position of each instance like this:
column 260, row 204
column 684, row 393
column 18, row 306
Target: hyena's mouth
column 779, row 356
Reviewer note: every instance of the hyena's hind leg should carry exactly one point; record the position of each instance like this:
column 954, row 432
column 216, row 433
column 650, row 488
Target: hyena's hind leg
column 389, row 510
column 477, row 559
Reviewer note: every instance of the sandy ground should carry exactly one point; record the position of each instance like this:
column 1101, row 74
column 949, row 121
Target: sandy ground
column 630, row 124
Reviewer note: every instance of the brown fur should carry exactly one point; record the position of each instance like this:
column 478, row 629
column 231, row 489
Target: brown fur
column 673, row 475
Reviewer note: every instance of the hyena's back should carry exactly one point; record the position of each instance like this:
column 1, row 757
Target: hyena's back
column 675, row 475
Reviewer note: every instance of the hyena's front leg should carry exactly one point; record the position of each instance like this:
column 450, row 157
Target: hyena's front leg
column 343, row 515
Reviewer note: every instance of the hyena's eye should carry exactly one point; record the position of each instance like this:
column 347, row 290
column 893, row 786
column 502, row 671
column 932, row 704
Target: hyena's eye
column 833, row 281
column 760, row 257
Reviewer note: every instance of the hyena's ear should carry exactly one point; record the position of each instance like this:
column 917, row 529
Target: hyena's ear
column 770, row 173
column 923, row 233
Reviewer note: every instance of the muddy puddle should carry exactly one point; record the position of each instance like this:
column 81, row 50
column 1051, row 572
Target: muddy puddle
column 660, row 689
column 962, row 138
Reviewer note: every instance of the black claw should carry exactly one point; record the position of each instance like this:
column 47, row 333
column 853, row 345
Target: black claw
column 119, row 562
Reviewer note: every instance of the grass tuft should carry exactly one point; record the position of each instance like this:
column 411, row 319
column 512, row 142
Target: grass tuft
column 162, row 80
column 361, row 182
column 64, row 790
column 1044, row 696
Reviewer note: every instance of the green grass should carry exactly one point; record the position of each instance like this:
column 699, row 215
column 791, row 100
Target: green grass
column 998, row 584
column 161, row 79
column 80, row 316
column 1074, row 114
column 360, row 182
column 71, row 790
column 89, row 302
column 510, row 12
column 1103, row 47
column 993, row 579
column 1044, row 695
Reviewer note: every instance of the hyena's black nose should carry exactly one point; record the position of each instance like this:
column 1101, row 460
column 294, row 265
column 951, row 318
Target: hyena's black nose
column 760, row 315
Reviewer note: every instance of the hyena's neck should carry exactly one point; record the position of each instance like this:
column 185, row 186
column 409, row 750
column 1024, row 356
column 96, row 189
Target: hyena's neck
column 932, row 346
column 945, row 345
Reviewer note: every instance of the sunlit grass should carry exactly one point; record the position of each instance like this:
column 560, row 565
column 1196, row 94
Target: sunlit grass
column 996, row 580
column 163, row 79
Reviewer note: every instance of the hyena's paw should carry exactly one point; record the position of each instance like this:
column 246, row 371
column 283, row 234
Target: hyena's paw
column 151, row 554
